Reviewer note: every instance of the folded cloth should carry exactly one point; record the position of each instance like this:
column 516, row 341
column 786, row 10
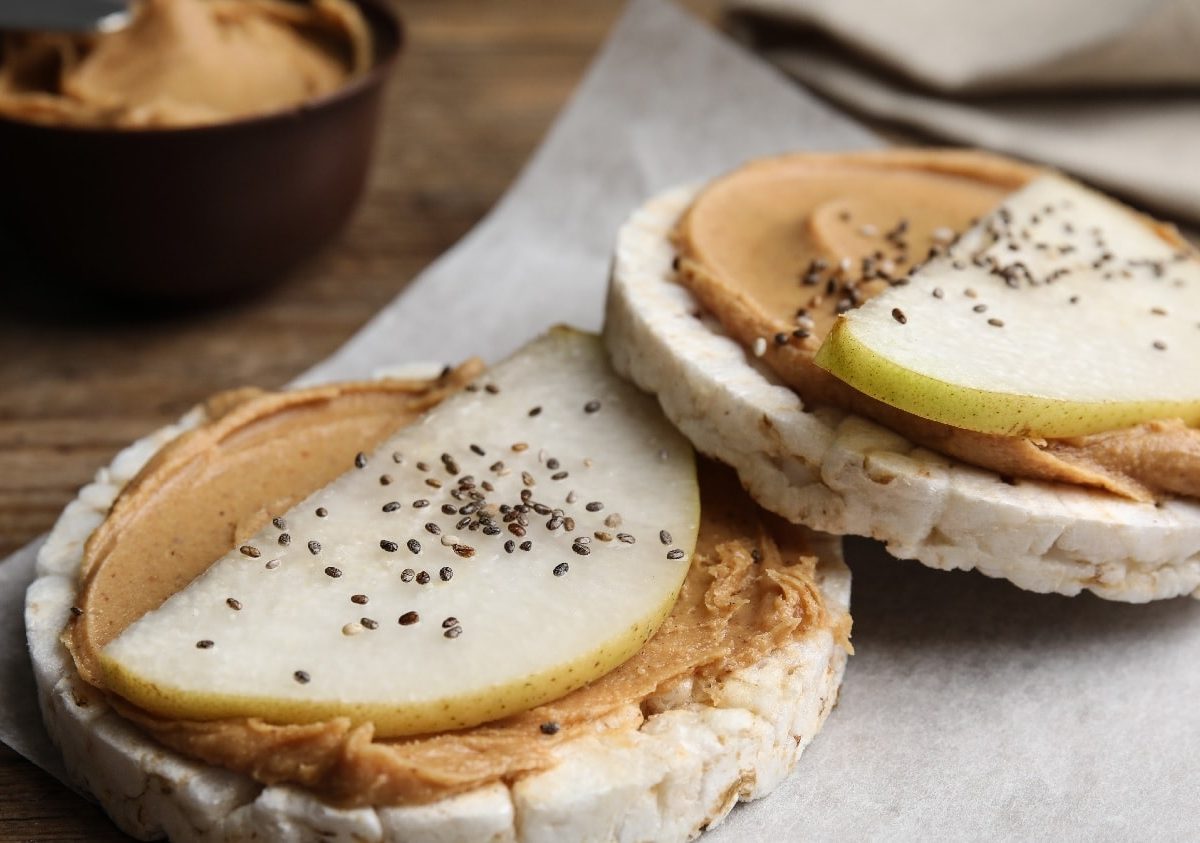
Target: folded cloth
column 1107, row 90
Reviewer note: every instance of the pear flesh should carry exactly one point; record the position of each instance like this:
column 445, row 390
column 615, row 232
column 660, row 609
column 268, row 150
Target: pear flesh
column 1062, row 313
column 351, row 618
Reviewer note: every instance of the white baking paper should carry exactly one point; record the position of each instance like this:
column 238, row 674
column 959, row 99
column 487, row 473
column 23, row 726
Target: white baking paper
column 972, row 710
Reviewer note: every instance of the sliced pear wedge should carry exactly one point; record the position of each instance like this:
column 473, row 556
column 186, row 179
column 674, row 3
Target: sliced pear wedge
column 535, row 532
column 1062, row 313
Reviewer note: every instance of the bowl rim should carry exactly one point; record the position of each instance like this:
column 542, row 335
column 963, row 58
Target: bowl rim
column 379, row 16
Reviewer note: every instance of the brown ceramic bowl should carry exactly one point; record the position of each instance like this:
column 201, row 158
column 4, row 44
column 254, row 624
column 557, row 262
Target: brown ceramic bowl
column 206, row 212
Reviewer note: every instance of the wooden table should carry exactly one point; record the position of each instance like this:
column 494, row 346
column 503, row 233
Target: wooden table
column 476, row 89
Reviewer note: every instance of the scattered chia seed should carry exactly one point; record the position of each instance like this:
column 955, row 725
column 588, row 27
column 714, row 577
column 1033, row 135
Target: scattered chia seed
column 433, row 482
column 613, row 520
column 302, row 677
column 449, row 509
column 359, row 599
column 420, row 503
column 409, row 618
column 250, row 550
column 369, row 623
column 414, row 546
column 665, row 537
column 385, row 479
column 433, row 529
column 233, row 603
column 581, row 549
column 360, row 460
column 333, row 572
column 407, row 575
column 591, row 406
column 76, row 611
column 549, row 728
column 625, row 538
column 453, row 632
column 520, row 446
column 899, row 316
column 272, row 564
column 204, row 644
column 1160, row 345
column 526, row 546
column 491, row 389
column 422, row 466
column 996, row 323
column 352, row 628
column 561, row 568
column 423, row 578
column 449, row 622
column 321, row 512
column 510, row 546
column 463, row 551
column 392, row 506
column 593, row 506
column 675, row 553
column 279, row 523
column 285, row 539
column 535, row 411
column 314, row 547
column 446, row 574
column 389, row 545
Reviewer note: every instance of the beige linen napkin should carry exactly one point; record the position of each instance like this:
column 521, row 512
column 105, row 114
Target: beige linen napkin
column 1106, row 89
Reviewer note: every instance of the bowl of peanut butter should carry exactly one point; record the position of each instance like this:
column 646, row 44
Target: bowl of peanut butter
column 205, row 149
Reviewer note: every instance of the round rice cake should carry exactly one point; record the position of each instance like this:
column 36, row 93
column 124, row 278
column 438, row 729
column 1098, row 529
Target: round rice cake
column 678, row 772
column 849, row 476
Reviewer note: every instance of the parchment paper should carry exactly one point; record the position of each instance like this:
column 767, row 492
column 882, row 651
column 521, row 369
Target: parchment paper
column 972, row 710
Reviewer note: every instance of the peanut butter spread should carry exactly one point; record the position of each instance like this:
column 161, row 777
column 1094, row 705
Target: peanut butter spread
column 184, row 63
column 777, row 249
column 751, row 589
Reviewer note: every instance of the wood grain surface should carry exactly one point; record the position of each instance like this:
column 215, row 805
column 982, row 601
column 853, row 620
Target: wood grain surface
column 477, row 87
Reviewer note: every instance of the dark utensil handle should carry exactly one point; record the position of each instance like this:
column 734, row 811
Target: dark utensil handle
column 63, row 15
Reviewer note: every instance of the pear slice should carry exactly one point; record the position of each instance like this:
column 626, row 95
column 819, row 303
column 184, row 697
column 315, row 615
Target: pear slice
column 419, row 605
column 1062, row 313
